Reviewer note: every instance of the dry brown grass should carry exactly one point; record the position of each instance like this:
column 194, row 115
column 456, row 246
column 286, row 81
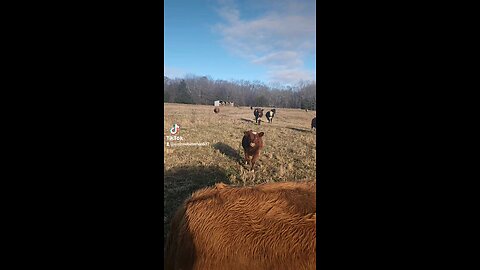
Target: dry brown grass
column 289, row 153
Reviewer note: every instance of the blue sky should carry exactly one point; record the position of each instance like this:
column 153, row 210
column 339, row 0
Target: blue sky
column 273, row 41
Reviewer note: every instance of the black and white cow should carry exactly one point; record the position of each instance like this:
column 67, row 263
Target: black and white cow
column 270, row 114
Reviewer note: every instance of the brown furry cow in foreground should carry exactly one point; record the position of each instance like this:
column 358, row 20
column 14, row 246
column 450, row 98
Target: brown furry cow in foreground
column 269, row 226
column 252, row 143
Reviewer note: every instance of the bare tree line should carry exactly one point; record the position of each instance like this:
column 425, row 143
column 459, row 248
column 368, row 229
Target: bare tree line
column 204, row 90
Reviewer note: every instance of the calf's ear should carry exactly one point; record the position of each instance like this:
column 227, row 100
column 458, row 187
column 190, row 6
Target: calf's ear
column 260, row 134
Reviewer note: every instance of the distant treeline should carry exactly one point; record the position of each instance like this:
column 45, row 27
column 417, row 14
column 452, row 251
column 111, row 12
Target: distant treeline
column 204, row 90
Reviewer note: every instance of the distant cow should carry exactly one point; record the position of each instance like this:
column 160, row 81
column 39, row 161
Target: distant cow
column 314, row 123
column 258, row 113
column 268, row 226
column 251, row 108
column 252, row 143
column 270, row 114
column 216, row 110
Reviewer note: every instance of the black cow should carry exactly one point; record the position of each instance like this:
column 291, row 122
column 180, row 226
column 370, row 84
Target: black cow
column 258, row 113
column 314, row 123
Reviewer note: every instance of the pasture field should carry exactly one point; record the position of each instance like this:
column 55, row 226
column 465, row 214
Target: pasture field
column 289, row 153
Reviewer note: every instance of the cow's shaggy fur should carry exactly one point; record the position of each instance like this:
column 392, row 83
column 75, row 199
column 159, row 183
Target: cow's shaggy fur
column 252, row 143
column 269, row 226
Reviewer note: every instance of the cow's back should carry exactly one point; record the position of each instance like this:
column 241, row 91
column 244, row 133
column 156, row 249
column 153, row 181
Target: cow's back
column 179, row 251
column 270, row 226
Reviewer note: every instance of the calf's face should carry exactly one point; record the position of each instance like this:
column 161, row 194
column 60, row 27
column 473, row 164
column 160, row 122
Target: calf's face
column 253, row 138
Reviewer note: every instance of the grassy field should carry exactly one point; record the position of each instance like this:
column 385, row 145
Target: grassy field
column 289, row 153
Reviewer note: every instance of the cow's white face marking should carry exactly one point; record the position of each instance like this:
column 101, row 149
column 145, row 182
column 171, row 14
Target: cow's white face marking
column 254, row 132
column 252, row 144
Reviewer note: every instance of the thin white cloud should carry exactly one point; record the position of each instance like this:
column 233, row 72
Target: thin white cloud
column 173, row 72
column 291, row 76
column 279, row 39
column 228, row 11
column 283, row 59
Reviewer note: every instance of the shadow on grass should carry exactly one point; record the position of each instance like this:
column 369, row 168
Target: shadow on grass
column 248, row 120
column 179, row 183
column 228, row 151
column 300, row 129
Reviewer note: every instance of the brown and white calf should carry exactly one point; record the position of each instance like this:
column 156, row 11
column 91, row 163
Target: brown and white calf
column 252, row 143
column 268, row 226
